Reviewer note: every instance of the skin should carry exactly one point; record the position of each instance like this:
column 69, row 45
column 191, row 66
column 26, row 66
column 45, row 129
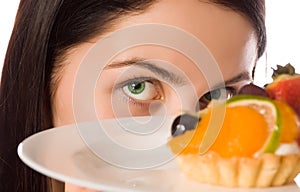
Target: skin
column 228, row 35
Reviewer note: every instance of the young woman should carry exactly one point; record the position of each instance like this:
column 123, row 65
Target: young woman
column 51, row 38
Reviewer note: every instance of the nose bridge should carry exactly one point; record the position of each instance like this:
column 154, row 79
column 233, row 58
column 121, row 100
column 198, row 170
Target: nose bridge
column 200, row 85
column 190, row 94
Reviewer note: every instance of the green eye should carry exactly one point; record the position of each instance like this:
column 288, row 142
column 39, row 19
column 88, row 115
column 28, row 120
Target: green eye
column 142, row 90
column 136, row 88
column 216, row 94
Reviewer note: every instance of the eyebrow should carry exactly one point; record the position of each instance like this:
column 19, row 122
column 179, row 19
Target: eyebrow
column 238, row 78
column 169, row 76
column 143, row 63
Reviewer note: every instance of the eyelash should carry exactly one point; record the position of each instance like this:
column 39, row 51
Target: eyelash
column 136, row 102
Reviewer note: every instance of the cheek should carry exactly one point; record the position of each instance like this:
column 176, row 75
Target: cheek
column 103, row 104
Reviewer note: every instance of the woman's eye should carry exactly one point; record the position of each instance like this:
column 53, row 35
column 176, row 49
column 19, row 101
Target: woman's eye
column 142, row 90
column 217, row 94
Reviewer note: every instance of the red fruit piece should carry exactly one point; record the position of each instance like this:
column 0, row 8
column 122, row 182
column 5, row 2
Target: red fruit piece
column 286, row 86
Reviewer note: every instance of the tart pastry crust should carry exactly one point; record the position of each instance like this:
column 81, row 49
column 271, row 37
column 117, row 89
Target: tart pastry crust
column 263, row 171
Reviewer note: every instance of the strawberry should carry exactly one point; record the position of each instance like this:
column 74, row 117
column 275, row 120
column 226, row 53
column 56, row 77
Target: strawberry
column 285, row 86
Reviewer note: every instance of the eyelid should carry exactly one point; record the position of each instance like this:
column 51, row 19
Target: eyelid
column 165, row 74
column 225, row 87
column 134, row 79
column 231, row 88
column 228, row 88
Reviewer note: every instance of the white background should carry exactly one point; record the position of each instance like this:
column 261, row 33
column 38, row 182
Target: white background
column 283, row 18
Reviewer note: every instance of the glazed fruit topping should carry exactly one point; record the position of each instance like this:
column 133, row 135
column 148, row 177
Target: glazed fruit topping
column 251, row 89
column 183, row 123
column 285, row 86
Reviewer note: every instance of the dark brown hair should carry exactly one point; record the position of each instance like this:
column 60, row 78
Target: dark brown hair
column 45, row 30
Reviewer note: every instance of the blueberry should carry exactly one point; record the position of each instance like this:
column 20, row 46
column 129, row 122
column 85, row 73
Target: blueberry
column 183, row 123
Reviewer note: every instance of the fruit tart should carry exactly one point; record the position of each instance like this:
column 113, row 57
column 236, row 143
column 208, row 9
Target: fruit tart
column 254, row 146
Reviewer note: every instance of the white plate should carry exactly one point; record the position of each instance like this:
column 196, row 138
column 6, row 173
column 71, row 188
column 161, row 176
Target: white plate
column 62, row 154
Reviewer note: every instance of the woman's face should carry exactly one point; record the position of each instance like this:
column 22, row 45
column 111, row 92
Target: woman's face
column 140, row 76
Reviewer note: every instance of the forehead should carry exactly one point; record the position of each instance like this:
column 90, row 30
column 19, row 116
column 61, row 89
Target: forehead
column 228, row 35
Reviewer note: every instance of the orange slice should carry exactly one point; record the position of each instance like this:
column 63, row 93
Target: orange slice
column 251, row 124
column 290, row 122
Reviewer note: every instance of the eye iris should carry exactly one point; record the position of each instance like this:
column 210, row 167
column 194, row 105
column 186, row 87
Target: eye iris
column 216, row 94
column 137, row 88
